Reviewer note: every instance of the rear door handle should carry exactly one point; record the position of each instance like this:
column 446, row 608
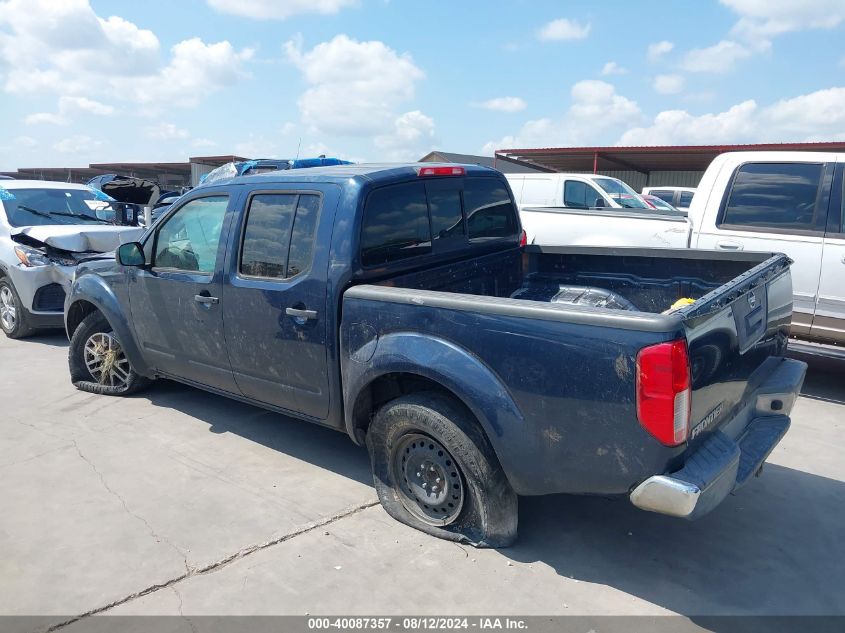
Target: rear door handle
column 729, row 246
column 205, row 299
column 298, row 313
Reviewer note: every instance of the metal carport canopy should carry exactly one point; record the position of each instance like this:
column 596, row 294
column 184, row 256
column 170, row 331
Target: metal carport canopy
column 643, row 159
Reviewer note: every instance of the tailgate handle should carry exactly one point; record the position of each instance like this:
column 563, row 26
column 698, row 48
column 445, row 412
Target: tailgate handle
column 754, row 319
column 729, row 246
column 299, row 313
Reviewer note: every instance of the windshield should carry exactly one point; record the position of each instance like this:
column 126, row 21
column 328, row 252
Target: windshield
column 621, row 193
column 38, row 207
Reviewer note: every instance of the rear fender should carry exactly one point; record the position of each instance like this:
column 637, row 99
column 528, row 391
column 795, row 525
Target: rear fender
column 450, row 366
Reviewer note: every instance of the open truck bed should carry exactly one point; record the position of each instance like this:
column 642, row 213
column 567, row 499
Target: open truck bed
column 561, row 379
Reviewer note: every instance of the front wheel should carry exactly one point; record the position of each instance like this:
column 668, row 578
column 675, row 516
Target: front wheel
column 434, row 470
column 97, row 361
column 13, row 317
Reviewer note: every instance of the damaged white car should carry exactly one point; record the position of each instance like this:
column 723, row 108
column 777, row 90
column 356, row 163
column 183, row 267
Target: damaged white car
column 46, row 229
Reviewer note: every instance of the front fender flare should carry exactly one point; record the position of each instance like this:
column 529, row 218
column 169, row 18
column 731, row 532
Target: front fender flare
column 94, row 290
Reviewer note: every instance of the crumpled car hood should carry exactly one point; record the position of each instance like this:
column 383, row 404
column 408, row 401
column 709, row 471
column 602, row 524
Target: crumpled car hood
column 79, row 239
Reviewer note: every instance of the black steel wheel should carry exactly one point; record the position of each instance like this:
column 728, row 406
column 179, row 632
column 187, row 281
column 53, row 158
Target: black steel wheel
column 435, row 470
column 431, row 487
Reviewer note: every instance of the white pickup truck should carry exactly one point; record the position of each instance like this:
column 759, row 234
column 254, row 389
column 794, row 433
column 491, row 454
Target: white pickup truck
column 591, row 210
column 787, row 202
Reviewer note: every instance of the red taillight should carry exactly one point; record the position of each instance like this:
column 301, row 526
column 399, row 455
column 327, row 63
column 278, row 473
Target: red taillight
column 663, row 391
column 523, row 239
column 441, row 171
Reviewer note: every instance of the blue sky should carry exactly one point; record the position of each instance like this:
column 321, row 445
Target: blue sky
column 102, row 81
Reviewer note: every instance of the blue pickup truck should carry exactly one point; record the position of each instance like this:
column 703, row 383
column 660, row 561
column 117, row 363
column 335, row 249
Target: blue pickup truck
column 398, row 304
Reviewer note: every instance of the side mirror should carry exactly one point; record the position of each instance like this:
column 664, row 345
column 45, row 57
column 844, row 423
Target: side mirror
column 599, row 204
column 130, row 254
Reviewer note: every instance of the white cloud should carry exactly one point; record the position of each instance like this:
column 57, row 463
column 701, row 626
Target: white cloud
column 279, row 9
column 412, row 135
column 257, row 146
column 24, row 141
column 760, row 20
column 71, row 105
column 612, row 68
column 504, row 104
column 201, row 143
column 68, row 107
column 37, row 118
column 563, row 29
column 817, row 116
column 595, row 109
column 678, row 127
column 195, row 70
column 67, row 49
column 814, row 117
column 166, row 132
column 657, row 50
column 77, row 144
column 355, row 88
column 668, row 84
column 719, row 58
column 288, row 128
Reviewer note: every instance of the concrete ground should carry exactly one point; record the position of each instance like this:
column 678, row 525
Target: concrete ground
column 181, row 502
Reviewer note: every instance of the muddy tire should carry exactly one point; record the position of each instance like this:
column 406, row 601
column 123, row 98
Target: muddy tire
column 97, row 362
column 435, row 470
column 14, row 320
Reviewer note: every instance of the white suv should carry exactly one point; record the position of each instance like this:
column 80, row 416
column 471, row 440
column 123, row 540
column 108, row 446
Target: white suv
column 46, row 228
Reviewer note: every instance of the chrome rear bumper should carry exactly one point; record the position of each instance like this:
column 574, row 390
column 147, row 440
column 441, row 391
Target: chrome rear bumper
column 723, row 464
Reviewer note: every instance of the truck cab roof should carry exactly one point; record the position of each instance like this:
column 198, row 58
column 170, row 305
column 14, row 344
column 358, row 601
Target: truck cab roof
column 369, row 172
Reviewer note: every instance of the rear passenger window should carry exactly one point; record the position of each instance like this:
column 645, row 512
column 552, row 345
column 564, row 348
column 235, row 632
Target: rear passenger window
column 775, row 195
column 278, row 238
column 489, row 210
column 685, row 199
column 302, row 238
column 395, row 224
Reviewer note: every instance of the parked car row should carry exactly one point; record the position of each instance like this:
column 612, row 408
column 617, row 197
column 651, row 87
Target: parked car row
column 789, row 202
column 398, row 304
column 586, row 209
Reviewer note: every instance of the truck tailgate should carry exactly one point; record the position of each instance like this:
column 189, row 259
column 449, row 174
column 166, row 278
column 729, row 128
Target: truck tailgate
column 737, row 336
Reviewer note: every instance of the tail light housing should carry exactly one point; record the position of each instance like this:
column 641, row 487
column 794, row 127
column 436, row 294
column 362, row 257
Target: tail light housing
column 523, row 239
column 664, row 391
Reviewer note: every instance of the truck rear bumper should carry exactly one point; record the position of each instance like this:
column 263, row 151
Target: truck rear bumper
column 724, row 463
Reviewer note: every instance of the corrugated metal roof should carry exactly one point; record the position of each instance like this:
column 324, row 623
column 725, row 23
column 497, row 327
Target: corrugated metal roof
column 645, row 158
column 503, row 165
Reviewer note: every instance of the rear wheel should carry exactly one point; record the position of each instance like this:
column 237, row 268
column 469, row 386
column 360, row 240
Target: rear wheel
column 435, row 471
column 13, row 317
column 97, row 361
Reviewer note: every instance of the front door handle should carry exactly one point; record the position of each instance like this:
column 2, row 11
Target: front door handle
column 298, row 313
column 729, row 246
column 206, row 299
